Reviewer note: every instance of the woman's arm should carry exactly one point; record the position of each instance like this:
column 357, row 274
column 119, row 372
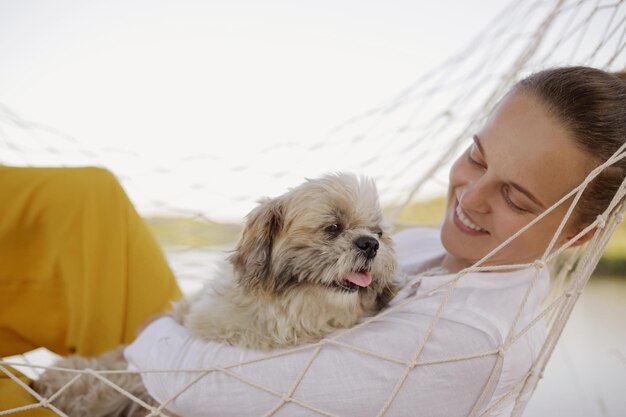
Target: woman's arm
column 431, row 353
column 334, row 378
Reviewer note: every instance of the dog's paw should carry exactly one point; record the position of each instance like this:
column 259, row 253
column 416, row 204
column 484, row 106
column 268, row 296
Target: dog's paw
column 90, row 396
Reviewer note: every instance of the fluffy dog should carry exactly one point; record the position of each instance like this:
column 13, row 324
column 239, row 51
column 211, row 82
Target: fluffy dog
column 309, row 262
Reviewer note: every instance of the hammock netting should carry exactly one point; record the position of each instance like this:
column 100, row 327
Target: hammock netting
column 425, row 126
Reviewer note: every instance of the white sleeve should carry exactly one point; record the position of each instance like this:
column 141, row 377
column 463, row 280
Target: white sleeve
column 367, row 370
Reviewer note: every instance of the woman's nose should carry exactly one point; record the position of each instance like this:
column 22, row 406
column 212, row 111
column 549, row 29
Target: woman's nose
column 475, row 197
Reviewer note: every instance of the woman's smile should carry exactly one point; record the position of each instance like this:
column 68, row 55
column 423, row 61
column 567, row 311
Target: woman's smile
column 465, row 224
column 506, row 178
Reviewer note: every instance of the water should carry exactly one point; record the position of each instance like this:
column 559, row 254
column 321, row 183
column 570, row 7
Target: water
column 586, row 376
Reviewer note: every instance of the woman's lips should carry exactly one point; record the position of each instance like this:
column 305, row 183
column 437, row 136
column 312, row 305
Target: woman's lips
column 470, row 228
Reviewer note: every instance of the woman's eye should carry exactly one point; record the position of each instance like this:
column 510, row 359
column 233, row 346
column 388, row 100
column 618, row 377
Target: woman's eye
column 334, row 229
column 475, row 162
column 512, row 204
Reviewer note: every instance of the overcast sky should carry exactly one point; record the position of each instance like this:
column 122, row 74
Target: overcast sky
column 229, row 73
column 163, row 82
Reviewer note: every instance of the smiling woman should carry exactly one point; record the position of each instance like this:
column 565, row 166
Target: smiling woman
column 501, row 183
column 542, row 140
column 485, row 328
column 456, row 340
column 224, row 90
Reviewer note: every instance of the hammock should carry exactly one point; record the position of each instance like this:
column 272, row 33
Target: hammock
column 434, row 117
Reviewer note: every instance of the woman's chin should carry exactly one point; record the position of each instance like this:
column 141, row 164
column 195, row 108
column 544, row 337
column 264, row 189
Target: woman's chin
column 464, row 248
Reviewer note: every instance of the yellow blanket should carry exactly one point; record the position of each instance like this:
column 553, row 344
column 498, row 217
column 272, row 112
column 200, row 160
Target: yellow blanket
column 79, row 269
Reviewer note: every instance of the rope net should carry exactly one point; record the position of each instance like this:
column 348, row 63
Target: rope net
column 425, row 126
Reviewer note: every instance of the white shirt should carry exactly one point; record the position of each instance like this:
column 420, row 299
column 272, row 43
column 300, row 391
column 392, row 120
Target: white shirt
column 345, row 381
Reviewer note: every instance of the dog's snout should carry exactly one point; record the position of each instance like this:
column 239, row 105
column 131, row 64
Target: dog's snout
column 368, row 245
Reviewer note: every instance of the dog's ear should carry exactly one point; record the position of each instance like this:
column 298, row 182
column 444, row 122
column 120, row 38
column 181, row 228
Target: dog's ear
column 252, row 258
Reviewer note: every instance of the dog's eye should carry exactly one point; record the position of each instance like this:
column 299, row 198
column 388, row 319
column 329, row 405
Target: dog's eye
column 334, row 229
column 378, row 232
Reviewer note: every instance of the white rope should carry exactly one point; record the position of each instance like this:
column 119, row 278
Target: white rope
column 43, row 402
column 411, row 364
column 605, row 224
column 570, row 280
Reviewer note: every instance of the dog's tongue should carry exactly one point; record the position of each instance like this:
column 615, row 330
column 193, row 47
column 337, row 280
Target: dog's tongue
column 362, row 279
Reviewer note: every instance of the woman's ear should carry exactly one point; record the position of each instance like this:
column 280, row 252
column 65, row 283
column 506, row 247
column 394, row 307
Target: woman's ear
column 252, row 257
column 583, row 239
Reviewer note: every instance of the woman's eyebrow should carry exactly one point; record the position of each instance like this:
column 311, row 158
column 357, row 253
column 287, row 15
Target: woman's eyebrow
column 527, row 194
column 512, row 184
column 477, row 142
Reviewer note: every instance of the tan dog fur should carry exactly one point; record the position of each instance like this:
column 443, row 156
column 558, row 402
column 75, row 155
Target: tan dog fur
column 285, row 285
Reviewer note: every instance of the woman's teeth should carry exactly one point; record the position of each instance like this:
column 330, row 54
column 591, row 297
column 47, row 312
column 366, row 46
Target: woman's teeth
column 467, row 222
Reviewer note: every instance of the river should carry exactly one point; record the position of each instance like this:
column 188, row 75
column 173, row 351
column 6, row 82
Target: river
column 586, row 376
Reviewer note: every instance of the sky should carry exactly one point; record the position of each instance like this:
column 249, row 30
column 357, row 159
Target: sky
column 197, row 105
column 225, row 70
column 167, row 80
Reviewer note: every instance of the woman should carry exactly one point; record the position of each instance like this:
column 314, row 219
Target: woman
column 473, row 356
column 449, row 344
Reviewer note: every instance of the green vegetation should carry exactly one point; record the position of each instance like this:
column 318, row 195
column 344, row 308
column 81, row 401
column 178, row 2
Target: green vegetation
column 428, row 212
column 613, row 261
column 199, row 231
column 192, row 232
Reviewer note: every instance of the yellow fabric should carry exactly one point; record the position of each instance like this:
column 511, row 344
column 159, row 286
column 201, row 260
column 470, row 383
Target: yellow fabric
column 13, row 395
column 79, row 269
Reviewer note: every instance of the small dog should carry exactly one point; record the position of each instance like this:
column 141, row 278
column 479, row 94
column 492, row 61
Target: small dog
column 309, row 262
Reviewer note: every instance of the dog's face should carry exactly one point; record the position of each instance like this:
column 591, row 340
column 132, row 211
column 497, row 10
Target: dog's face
column 327, row 235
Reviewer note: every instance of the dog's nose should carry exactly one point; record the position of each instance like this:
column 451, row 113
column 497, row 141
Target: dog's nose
column 368, row 245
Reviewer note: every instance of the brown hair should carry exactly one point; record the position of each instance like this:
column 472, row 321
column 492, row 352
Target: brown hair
column 591, row 104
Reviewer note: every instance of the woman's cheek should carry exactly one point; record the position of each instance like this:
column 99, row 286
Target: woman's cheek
column 508, row 225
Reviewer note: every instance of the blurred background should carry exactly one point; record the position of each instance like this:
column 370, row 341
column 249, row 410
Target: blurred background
column 202, row 107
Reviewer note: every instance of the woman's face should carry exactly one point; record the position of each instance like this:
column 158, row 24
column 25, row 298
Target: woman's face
column 520, row 163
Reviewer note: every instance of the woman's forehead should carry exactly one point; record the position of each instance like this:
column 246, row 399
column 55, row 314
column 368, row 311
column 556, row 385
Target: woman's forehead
column 527, row 145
